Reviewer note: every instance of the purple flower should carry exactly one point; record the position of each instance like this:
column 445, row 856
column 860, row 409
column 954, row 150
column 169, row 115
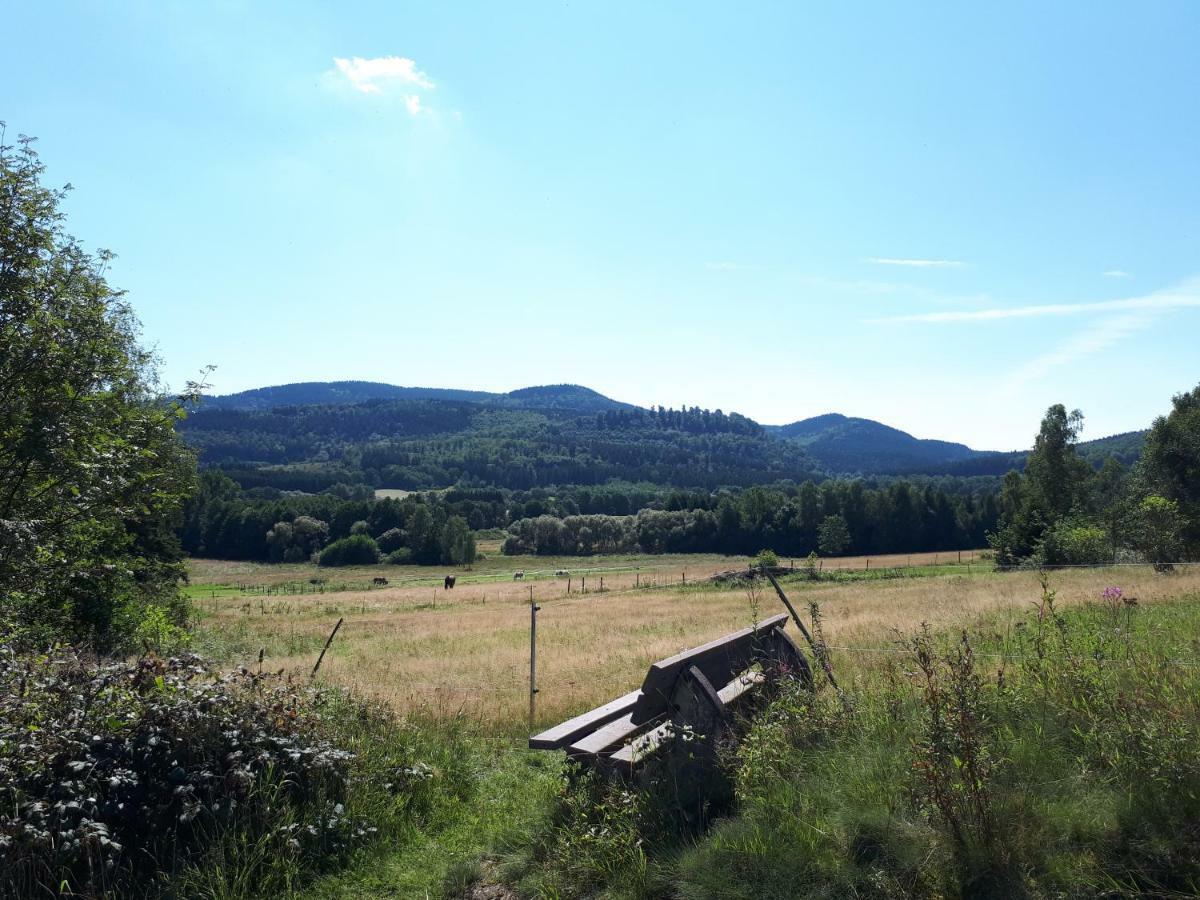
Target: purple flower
column 1112, row 594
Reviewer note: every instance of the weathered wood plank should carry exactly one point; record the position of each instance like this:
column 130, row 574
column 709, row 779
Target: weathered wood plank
column 571, row 730
column 719, row 660
column 646, row 745
column 605, row 738
column 740, row 686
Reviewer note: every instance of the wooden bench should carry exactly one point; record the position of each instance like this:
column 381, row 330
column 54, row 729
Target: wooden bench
column 692, row 691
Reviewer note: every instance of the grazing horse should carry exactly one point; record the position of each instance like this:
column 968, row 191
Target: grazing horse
column 379, row 580
column 449, row 583
column 517, row 576
column 562, row 572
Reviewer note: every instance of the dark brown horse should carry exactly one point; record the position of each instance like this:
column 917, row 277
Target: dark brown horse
column 449, row 583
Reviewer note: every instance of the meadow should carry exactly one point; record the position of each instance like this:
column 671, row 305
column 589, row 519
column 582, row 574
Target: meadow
column 459, row 660
column 421, row 648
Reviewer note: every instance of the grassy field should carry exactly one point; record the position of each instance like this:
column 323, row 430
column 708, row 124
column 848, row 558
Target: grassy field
column 461, row 658
column 466, row 651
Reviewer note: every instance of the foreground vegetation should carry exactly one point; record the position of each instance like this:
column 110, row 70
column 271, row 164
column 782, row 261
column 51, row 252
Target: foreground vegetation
column 1056, row 756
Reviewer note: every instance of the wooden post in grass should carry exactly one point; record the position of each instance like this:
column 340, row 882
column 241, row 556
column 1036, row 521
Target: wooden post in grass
column 637, row 580
column 821, row 658
column 533, row 611
column 568, row 584
column 328, row 641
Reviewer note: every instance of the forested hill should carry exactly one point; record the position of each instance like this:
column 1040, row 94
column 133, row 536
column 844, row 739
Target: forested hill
column 532, row 438
column 310, row 436
column 556, row 396
column 844, row 444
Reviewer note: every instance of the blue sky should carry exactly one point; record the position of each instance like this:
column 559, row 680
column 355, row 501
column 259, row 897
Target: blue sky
column 942, row 217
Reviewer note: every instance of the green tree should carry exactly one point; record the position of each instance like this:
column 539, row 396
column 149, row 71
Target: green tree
column 1170, row 464
column 1158, row 530
column 92, row 475
column 458, row 544
column 1055, row 484
column 833, row 537
column 355, row 550
column 1057, row 477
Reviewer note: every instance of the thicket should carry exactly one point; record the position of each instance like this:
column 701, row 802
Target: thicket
column 164, row 778
column 1054, row 756
column 1062, row 511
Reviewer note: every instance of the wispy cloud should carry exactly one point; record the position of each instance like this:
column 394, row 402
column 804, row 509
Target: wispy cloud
column 1116, row 273
column 915, row 263
column 1184, row 295
column 381, row 73
column 1099, row 336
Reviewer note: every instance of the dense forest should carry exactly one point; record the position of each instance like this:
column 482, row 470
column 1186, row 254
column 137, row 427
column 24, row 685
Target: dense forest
column 567, row 471
column 223, row 520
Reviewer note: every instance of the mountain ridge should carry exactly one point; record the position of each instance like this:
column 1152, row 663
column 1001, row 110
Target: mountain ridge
column 839, row 444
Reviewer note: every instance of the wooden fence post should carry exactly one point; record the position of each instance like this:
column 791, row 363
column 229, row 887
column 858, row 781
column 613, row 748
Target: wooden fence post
column 533, row 611
column 328, row 641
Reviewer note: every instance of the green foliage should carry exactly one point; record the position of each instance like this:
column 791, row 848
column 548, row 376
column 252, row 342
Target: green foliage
column 1158, row 530
column 458, row 544
column 157, row 633
column 1071, row 543
column 297, row 540
column 401, row 557
column 833, row 536
column 767, row 559
column 1055, row 484
column 1171, row 463
column 164, row 779
column 356, row 550
column 391, row 540
column 92, row 475
column 1057, row 757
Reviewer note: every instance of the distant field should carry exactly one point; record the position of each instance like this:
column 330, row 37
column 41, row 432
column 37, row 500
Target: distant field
column 466, row 651
column 391, row 493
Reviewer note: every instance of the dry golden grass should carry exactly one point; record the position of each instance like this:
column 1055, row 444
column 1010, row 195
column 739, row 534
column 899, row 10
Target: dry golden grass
column 467, row 650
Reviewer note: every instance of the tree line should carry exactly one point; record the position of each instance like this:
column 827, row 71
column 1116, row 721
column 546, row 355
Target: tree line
column 835, row 518
column 222, row 520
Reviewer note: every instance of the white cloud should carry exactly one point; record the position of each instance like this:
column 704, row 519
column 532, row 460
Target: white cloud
column 916, row 263
column 1100, row 335
column 1116, row 273
column 372, row 76
column 1184, row 295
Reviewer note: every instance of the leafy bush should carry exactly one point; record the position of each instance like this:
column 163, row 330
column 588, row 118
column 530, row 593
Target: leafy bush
column 356, row 550
column 391, row 540
column 1075, row 544
column 768, row 559
column 161, row 777
column 400, row 557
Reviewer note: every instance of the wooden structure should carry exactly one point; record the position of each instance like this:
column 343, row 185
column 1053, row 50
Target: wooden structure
column 687, row 696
